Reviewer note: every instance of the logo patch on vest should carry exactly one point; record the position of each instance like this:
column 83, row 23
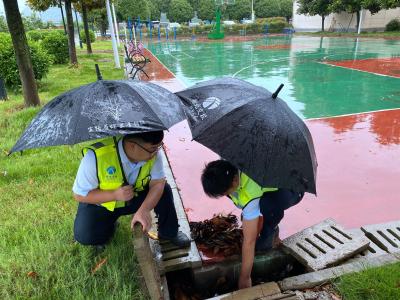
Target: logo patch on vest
column 111, row 170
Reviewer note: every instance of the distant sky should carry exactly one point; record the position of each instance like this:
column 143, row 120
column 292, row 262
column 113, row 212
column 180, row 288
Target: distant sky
column 21, row 5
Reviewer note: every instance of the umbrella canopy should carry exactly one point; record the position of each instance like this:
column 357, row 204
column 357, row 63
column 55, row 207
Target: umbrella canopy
column 101, row 109
column 260, row 135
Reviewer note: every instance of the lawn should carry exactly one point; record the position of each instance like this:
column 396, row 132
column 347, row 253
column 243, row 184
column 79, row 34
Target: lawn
column 38, row 257
column 373, row 284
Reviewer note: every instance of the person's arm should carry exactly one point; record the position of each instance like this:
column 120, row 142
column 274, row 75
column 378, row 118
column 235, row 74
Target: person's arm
column 97, row 196
column 250, row 232
column 156, row 189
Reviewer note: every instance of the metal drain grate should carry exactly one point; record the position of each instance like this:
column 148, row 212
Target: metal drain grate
column 386, row 236
column 324, row 244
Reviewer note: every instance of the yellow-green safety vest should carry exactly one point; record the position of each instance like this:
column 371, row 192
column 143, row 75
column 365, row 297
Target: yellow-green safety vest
column 247, row 191
column 109, row 170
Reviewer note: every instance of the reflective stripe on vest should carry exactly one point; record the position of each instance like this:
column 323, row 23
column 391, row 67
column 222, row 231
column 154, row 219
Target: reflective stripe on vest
column 109, row 170
column 247, row 191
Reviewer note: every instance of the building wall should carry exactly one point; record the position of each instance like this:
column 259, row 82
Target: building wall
column 343, row 21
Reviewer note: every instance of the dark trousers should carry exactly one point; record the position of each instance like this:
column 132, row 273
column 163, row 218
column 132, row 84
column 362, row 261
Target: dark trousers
column 95, row 225
column 273, row 206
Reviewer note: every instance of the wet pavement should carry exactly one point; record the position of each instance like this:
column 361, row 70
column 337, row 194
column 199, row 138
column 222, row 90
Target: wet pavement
column 358, row 151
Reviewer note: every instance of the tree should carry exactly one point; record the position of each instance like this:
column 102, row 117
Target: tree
column 33, row 22
column 162, row 5
column 387, row 4
column 355, row 6
column 154, row 11
column 71, row 35
column 206, row 9
column 133, row 9
column 240, row 10
column 83, row 6
column 267, row 8
column 315, row 7
column 286, row 9
column 42, row 5
column 98, row 17
column 180, row 11
column 23, row 58
column 195, row 4
column 3, row 24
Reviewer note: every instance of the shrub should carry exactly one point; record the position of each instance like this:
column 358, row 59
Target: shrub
column 269, row 20
column 41, row 61
column 39, row 35
column 56, row 44
column 393, row 25
column 276, row 26
column 91, row 35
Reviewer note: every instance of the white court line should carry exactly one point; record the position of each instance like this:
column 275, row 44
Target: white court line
column 285, row 58
column 354, row 69
column 353, row 114
column 186, row 54
column 173, row 56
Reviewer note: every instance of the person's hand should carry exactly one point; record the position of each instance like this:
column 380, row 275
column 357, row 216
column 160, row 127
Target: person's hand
column 124, row 193
column 244, row 282
column 143, row 217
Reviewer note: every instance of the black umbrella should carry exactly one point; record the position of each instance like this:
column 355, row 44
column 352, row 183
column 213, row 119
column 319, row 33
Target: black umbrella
column 101, row 109
column 257, row 132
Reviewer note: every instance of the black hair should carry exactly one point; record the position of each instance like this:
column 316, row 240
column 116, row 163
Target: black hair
column 152, row 137
column 217, row 177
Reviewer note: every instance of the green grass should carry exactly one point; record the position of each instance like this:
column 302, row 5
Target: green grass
column 38, row 257
column 372, row 284
column 389, row 34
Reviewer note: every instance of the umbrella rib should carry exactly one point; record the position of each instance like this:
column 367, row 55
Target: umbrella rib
column 227, row 114
column 154, row 113
column 76, row 123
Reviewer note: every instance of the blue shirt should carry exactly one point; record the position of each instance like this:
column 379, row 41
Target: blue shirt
column 86, row 178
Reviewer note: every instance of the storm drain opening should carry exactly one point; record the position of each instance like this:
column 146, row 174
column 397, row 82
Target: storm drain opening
column 318, row 247
column 222, row 278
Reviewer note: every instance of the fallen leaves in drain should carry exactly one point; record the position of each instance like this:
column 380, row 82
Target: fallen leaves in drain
column 220, row 234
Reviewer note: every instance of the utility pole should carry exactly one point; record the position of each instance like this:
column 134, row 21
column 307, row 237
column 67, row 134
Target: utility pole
column 114, row 42
column 252, row 11
column 361, row 20
column 115, row 23
column 79, row 32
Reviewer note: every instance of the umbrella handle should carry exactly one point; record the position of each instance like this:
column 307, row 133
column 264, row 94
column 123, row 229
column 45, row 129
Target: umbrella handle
column 99, row 77
column 274, row 95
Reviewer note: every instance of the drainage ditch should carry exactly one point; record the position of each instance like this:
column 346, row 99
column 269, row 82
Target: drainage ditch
column 221, row 278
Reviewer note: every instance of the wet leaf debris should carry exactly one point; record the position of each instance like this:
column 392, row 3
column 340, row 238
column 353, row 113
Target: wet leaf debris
column 220, row 234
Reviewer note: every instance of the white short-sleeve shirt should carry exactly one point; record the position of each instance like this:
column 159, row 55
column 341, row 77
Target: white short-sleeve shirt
column 252, row 210
column 86, row 178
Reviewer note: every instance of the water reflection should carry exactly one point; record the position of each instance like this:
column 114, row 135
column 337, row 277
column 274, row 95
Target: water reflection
column 383, row 127
column 312, row 87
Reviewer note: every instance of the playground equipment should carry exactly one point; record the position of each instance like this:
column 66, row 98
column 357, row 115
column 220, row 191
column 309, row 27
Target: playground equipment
column 217, row 33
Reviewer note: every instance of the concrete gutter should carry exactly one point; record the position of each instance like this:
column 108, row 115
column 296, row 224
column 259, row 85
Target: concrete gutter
column 310, row 280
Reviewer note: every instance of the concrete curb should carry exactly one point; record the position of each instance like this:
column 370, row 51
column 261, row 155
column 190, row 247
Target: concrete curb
column 310, row 280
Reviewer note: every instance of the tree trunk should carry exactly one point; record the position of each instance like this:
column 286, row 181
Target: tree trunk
column 71, row 38
column 86, row 27
column 62, row 16
column 22, row 54
column 323, row 23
